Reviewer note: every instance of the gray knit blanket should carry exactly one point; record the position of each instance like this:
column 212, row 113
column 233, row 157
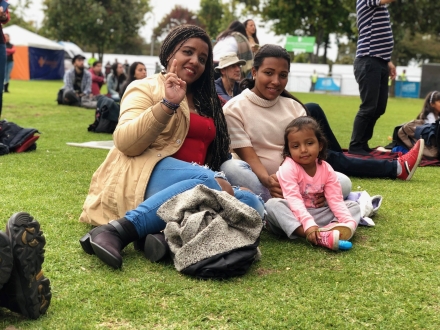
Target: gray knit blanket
column 203, row 222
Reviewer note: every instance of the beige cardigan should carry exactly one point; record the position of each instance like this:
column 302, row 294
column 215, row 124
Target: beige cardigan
column 145, row 135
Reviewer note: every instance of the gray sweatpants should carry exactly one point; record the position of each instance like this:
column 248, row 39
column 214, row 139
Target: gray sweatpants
column 283, row 222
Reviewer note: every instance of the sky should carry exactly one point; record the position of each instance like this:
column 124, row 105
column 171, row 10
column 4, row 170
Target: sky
column 160, row 9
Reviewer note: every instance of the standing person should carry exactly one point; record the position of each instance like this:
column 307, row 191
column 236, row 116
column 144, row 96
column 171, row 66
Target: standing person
column 303, row 175
column 108, row 68
column 314, row 79
column 228, row 85
column 234, row 40
column 137, row 71
column 254, row 119
column 372, row 67
column 97, row 77
column 170, row 123
column 10, row 50
column 115, row 80
column 251, row 33
column 402, row 76
column 126, row 67
column 4, row 18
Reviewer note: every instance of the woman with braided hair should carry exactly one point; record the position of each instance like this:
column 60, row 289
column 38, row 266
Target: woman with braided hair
column 170, row 123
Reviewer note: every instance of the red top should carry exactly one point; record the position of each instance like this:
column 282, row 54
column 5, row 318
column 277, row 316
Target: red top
column 200, row 135
column 97, row 82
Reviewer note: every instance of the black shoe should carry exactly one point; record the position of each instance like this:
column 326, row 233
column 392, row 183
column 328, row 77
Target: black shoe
column 156, row 247
column 6, row 89
column 28, row 291
column 108, row 241
column 6, row 258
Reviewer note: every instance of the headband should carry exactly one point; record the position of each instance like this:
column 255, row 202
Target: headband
column 432, row 96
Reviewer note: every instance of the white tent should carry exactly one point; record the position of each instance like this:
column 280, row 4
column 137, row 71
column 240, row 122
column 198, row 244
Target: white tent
column 22, row 37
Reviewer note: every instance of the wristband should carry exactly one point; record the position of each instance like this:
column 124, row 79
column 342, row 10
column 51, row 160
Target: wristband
column 170, row 105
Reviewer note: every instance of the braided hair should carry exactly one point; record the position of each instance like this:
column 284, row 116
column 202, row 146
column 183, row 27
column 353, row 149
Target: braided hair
column 264, row 52
column 204, row 94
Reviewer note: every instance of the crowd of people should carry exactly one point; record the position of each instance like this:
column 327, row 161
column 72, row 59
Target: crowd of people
column 212, row 117
column 232, row 125
column 82, row 87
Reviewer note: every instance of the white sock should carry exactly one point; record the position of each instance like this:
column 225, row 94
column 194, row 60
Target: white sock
column 399, row 169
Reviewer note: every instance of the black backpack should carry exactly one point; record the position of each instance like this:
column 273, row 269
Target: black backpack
column 225, row 265
column 106, row 116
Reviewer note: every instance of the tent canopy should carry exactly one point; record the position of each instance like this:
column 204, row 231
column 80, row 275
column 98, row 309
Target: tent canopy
column 22, row 37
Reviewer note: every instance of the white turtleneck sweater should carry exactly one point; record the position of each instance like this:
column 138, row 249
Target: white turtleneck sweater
column 260, row 124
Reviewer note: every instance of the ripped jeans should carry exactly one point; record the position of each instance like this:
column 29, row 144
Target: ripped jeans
column 171, row 177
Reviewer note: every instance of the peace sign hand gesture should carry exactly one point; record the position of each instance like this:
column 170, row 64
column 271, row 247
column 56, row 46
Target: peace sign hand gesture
column 175, row 88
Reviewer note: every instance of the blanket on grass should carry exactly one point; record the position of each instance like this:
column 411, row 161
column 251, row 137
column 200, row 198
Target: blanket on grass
column 377, row 154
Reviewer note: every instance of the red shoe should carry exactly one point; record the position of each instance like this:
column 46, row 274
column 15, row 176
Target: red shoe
column 411, row 160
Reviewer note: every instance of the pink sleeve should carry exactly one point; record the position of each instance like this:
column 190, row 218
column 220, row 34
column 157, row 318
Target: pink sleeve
column 288, row 177
column 333, row 196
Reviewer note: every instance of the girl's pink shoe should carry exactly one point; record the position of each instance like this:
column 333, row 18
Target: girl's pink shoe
column 346, row 229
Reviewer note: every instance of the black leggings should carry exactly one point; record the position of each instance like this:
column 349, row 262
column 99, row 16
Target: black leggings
column 351, row 166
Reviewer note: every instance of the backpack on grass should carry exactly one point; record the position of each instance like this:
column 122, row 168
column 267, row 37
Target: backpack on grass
column 410, row 132
column 106, row 116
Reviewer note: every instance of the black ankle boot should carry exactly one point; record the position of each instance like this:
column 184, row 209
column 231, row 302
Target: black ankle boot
column 108, row 241
column 156, row 247
column 7, row 88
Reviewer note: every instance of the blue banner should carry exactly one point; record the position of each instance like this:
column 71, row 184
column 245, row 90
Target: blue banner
column 46, row 64
column 407, row 89
column 327, row 84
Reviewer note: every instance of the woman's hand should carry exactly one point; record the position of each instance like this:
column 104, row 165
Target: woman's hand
column 319, row 200
column 175, row 88
column 274, row 186
column 312, row 235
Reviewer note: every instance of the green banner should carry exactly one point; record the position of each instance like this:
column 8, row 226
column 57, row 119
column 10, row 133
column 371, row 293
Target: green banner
column 304, row 44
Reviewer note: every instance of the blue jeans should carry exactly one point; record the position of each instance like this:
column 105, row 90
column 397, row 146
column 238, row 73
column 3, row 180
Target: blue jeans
column 2, row 71
column 8, row 69
column 171, row 177
column 240, row 173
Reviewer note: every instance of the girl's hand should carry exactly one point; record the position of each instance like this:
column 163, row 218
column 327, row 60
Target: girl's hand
column 175, row 88
column 274, row 186
column 312, row 235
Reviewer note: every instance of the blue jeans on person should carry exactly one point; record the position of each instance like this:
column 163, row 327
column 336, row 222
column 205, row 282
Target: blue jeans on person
column 8, row 70
column 239, row 173
column 171, row 177
column 2, row 71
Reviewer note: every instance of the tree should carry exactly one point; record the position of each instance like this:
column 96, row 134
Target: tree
column 17, row 13
column 99, row 25
column 316, row 18
column 178, row 16
column 210, row 15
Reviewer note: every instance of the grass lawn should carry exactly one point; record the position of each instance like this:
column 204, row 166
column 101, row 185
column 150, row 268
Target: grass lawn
column 389, row 280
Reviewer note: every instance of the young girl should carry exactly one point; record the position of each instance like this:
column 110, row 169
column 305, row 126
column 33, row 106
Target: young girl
column 302, row 176
column 431, row 108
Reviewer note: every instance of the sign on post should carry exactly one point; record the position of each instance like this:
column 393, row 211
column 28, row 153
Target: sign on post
column 303, row 44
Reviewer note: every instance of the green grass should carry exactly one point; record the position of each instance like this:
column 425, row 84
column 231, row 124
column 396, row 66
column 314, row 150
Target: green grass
column 389, row 279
